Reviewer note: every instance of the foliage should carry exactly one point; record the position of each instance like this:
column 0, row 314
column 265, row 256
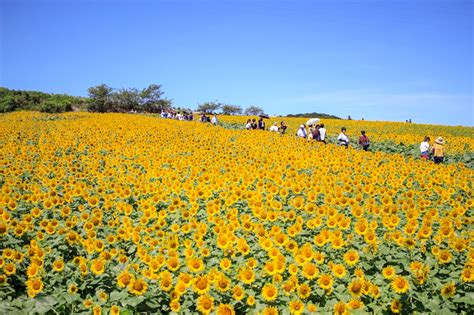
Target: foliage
column 253, row 111
column 314, row 115
column 12, row 100
column 129, row 214
column 231, row 110
column 209, row 107
column 151, row 101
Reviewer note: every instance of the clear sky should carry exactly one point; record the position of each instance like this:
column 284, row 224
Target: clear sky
column 380, row 60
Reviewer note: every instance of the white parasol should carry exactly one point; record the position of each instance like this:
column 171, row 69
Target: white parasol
column 312, row 121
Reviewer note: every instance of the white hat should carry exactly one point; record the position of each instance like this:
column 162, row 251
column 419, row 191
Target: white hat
column 439, row 140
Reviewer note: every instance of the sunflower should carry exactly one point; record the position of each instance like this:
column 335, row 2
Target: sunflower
column 166, row 282
column 238, row 293
column 72, row 288
column 32, row 270
column 339, row 271
column 205, row 304
column 115, row 310
column 444, row 256
column 251, row 300
column 448, row 290
column 325, row 282
column 356, row 287
column 310, row 271
column 98, row 266
column 3, row 280
column 9, row 269
column 124, row 279
column 201, row 284
column 400, row 284
column 35, row 286
column 58, row 265
column 296, row 307
column 102, row 295
column 351, row 258
column 270, row 310
column 374, row 291
column 355, row 304
column 87, row 303
column 225, row 309
column 195, row 264
column 247, row 276
column 340, row 308
column 138, row 287
column 304, row 291
column 222, row 283
column 396, row 306
column 269, row 292
column 388, row 272
column 175, row 306
column 467, row 274
column 97, row 310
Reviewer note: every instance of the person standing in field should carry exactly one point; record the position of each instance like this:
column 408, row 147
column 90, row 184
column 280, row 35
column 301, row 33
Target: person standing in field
column 274, row 128
column 425, row 148
column 301, row 133
column 438, row 150
column 343, row 139
column 248, row 125
column 261, row 124
column 316, row 133
column 322, row 133
column 282, row 128
column 254, row 124
column 364, row 141
column 310, row 133
column 214, row 120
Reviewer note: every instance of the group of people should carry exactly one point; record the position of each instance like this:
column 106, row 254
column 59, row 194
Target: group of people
column 207, row 119
column 253, row 124
column 318, row 133
column 176, row 115
column 436, row 151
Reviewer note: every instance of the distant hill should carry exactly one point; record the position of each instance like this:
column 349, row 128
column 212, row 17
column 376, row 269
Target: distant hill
column 314, row 115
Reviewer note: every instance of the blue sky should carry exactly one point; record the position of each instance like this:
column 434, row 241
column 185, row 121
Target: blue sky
column 380, row 60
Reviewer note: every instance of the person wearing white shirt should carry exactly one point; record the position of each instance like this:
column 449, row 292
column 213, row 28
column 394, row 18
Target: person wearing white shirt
column 214, row 120
column 343, row 139
column 301, row 133
column 274, row 128
column 322, row 133
column 425, row 148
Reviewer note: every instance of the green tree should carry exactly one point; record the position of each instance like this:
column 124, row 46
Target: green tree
column 100, row 98
column 253, row 111
column 209, row 107
column 231, row 110
column 151, row 100
column 126, row 100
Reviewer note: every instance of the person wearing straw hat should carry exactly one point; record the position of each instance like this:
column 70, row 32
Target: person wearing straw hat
column 438, row 150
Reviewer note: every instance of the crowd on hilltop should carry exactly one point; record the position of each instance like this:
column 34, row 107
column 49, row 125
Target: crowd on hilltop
column 315, row 132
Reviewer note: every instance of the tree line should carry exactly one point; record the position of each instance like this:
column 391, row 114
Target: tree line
column 11, row 100
column 103, row 99
column 319, row 115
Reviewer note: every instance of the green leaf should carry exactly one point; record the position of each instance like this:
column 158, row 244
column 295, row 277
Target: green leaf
column 117, row 295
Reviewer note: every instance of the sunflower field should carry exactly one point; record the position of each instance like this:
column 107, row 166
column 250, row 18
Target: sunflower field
column 128, row 214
